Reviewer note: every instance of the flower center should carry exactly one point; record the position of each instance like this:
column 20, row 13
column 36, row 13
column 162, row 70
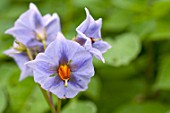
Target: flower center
column 64, row 73
column 41, row 35
column 93, row 40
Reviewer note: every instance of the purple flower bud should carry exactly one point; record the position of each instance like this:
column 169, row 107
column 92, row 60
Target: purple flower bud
column 65, row 68
column 89, row 36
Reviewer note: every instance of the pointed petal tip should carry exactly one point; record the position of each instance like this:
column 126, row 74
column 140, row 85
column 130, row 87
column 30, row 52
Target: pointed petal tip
column 9, row 52
column 8, row 31
column 30, row 64
column 109, row 46
column 99, row 20
column 33, row 7
column 87, row 11
column 55, row 15
column 21, row 78
column 60, row 35
column 103, row 60
column 5, row 52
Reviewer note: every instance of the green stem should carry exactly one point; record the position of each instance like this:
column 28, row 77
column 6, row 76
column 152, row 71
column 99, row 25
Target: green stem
column 150, row 70
column 47, row 97
column 59, row 105
column 29, row 54
column 44, row 44
column 48, row 100
column 51, row 103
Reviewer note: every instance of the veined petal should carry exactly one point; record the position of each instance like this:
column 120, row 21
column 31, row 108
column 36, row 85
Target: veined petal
column 33, row 7
column 26, row 71
column 64, row 92
column 52, row 27
column 90, row 27
column 102, row 46
column 20, row 59
column 21, row 34
column 79, row 59
column 45, row 81
column 42, row 66
column 51, row 82
column 79, row 81
column 45, row 58
column 58, row 54
column 31, row 19
column 97, row 54
column 84, row 68
column 95, row 29
column 58, row 90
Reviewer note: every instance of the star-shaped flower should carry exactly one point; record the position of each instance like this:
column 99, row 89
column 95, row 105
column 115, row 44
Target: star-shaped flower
column 32, row 31
column 18, row 53
column 65, row 68
column 31, row 28
column 89, row 35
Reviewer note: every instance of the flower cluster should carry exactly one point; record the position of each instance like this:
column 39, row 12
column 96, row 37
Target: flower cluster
column 63, row 67
column 31, row 30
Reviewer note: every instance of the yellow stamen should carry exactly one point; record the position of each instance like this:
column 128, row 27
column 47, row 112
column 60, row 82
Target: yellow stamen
column 95, row 39
column 66, row 82
column 64, row 73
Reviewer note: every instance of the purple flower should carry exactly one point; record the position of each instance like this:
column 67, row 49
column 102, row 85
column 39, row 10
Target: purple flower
column 89, row 35
column 31, row 28
column 20, row 58
column 65, row 68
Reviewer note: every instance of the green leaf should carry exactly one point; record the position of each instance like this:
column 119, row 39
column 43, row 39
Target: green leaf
column 163, row 80
column 132, row 5
column 124, row 49
column 160, row 8
column 3, row 101
column 94, row 86
column 117, row 73
column 4, row 4
column 19, row 92
column 117, row 21
column 76, row 106
column 36, row 103
column 26, row 97
column 161, row 31
column 147, row 107
column 116, row 92
column 79, row 3
column 143, row 28
column 8, row 70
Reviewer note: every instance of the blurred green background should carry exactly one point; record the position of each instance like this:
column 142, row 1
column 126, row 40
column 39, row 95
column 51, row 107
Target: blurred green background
column 136, row 75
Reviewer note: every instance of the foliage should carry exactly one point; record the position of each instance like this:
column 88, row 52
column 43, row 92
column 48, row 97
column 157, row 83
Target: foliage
column 136, row 75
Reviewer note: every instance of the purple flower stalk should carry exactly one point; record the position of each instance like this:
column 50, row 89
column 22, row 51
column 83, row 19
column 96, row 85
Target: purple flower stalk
column 89, row 36
column 32, row 31
column 65, row 68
